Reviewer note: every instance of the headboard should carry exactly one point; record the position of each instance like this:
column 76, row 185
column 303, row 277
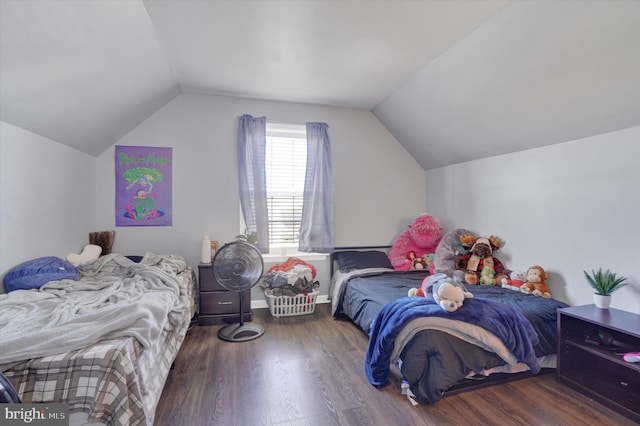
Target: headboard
column 356, row 248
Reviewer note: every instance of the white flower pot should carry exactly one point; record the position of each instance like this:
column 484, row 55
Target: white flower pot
column 601, row 302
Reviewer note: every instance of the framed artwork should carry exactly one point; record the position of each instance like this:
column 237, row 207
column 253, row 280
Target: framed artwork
column 214, row 249
column 143, row 186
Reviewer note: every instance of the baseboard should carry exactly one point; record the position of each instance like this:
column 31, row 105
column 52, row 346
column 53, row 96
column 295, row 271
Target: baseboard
column 262, row 304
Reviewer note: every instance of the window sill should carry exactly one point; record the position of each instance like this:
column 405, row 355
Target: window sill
column 274, row 258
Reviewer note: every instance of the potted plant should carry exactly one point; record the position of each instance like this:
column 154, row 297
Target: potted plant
column 249, row 237
column 604, row 283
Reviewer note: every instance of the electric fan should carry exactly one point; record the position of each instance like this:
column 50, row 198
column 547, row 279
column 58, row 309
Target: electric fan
column 238, row 266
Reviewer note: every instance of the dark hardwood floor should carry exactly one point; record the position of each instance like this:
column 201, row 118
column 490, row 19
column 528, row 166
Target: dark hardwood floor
column 308, row 370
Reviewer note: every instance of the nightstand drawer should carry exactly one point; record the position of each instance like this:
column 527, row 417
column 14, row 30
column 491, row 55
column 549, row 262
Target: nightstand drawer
column 207, row 280
column 223, row 302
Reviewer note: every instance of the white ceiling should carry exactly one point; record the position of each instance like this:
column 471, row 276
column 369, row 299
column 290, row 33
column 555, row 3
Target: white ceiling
column 452, row 80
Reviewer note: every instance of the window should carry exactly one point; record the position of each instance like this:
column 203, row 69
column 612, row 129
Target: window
column 287, row 184
column 285, row 163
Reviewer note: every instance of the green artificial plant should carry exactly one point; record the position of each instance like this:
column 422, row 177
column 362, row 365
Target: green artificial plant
column 250, row 237
column 605, row 283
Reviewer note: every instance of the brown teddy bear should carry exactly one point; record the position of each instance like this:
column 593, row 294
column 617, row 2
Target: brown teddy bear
column 536, row 283
column 479, row 257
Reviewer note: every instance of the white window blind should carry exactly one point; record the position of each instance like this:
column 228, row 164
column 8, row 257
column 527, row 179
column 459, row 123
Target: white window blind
column 286, row 158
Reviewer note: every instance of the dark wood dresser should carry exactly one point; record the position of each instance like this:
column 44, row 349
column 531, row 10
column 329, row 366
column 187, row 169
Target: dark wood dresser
column 217, row 304
column 589, row 362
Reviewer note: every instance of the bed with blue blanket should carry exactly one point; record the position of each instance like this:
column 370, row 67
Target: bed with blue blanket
column 497, row 331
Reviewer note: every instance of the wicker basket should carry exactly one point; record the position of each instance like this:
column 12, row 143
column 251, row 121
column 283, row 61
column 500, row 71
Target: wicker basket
column 287, row 306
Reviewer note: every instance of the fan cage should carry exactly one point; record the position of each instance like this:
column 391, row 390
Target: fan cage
column 247, row 256
column 287, row 306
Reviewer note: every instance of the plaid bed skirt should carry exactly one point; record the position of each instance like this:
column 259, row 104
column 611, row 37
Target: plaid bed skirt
column 115, row 381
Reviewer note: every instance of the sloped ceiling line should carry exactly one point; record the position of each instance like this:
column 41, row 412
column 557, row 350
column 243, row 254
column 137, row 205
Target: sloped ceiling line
column 452, row 80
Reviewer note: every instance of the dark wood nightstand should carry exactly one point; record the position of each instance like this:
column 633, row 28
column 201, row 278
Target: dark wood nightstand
column 590, row 366
column 217, row 304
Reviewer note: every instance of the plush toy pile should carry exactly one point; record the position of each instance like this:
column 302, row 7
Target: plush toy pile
column 532, row 281
column 415, row 247
column 467, row 258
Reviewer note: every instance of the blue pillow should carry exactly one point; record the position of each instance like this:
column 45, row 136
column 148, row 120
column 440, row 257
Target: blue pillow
column 37, row 272
column 350, row 260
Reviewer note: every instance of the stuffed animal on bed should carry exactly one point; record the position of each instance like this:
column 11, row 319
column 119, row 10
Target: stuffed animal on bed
column 428, row 260
column 90, row 252
column 449, row 249
column 422, row 238
column 419, row 263
column 479, row 257
column 487, row 276
column 450, row 295
column 446, row 291
column 418, row 292
column 536, row 283
column 513, row 281
column 425, row 289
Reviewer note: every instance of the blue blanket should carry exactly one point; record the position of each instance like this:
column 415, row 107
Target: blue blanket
column 505, row 322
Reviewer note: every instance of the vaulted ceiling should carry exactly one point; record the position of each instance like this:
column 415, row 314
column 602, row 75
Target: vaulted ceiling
column 452, row 80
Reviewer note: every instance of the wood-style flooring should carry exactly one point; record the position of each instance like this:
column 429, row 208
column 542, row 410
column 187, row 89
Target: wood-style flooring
column 308, row 370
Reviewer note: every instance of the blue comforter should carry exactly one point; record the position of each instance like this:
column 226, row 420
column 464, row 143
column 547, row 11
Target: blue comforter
column 505, row 322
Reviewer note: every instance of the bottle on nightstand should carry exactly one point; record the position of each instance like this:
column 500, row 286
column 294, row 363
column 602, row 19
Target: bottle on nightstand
column 206, row 249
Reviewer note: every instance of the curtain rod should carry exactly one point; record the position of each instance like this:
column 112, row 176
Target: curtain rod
column 284, row 122
column 277, row 122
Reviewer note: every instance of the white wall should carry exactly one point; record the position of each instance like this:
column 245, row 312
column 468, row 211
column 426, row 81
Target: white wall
column 379, row 187
column 47, row 198
column 568, row 207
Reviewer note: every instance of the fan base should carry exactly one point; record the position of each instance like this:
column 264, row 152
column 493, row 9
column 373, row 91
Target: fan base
column 240, row 332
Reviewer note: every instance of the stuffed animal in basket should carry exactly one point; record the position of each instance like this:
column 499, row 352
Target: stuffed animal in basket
column 513, row 281
column 479, row 257
column 536, row 283
column 421, row 238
